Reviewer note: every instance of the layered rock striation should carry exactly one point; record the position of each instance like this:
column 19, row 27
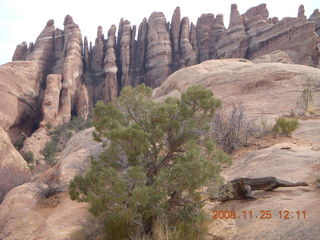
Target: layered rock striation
column 146, row 54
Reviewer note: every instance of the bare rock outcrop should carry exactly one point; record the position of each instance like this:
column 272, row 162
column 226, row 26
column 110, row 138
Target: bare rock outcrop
column 21, row 205
column 20, row 52
column 41, row 51
column 139, row 60
column 260, row 10
column 50, row 103
column 217, row 31
column 159, row 54
column 295, row 36
column 315, row 17
column 20, row 88
column 8, row 154
column 97, row 54
column 72, row 69
column 273, row 161
column 124, row 52
column 58, row 51
column 193, row 39
column 174, row 36
column 276, row 56
column 301, row 12
column 187, row 55
column 269, row 89
column 100, row 72
column 234, row 42
column 86, row 63
column 110, row 67
column 204, row 36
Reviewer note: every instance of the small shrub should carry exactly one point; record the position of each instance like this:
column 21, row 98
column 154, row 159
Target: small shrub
column 10, row 177
column 79, row 235
column 19, row 143
column 234, row 130
column 28, row 156
column 47, row 190
column 50, row 149
column 305, row 101
column 60, row 135
column 285, row 126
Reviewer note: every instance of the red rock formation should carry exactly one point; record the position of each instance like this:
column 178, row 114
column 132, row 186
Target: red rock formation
column 160, row 49
column 58, row 53
column 110, row 68
column 72, row 69
column 295, row 36
column 20, row 52
column 124, row 48
column 86, row 63
column 51, row 100
column 187, row 55
column 97, row 53
column 194, row 41
column 41, row 51
column 234, row 42
column 315, row 16
column 204, row 36
column 174, row 36
column 139, row 62
column 301, row 12
column 159, row 55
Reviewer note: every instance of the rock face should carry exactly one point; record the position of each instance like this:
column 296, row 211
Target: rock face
column 269, row 89
column 110, row 68
column 99, row 72
column 204, row 34
column 276, row 56
column 234, row 42
column 174, row 36
column 8, row 154
column 124, row 50
column 283, row 164
column 21, row 207
column 20, row 88
column 159, row 53
column 315, row 17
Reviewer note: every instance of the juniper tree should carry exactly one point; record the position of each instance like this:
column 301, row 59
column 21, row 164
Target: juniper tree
column 156, row 157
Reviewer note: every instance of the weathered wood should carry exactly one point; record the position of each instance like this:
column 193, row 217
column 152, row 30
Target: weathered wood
column 242, row 188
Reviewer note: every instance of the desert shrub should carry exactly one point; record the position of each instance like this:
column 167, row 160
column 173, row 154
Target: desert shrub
column 50, row 150
column 305, row 100
column 19, row 143
column 10, row 177
column 48, row 189
column 234, row 130
column 79, row 235
column 285, row 126
column 61, row 134
column 156, row 157
column 28, row 156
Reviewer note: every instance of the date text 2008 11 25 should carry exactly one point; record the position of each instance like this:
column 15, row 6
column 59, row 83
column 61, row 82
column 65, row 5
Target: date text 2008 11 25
column 260, row 214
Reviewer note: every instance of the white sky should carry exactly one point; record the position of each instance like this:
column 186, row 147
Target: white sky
column 23, row 20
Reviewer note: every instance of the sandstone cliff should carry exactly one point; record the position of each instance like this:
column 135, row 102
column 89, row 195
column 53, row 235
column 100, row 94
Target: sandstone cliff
column 161, row 48
column 85, row 74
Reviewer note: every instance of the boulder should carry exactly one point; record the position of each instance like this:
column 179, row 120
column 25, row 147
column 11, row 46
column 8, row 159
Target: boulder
column 276, row 56
column 269, row 89
column 58, row 216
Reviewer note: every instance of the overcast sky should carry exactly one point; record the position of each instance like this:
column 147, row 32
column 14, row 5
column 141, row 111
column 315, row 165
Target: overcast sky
column 23, row 20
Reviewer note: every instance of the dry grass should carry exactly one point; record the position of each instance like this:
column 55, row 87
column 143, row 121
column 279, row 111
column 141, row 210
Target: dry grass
column 10, row 177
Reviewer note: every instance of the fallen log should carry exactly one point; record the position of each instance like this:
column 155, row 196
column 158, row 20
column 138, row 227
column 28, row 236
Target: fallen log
column 242, row 188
